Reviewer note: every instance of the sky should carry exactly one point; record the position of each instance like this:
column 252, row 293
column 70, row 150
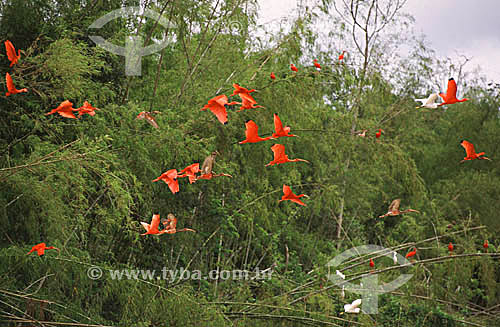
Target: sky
column 471, row 27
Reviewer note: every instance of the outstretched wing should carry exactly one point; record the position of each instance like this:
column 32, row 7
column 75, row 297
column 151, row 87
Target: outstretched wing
column 469, row 148
column 451, row 92
column 278, row 126
column 394, row 205
column 278, row 151
column 11, row 51
column 252, row 130
column 10, row 84
column 286, row 190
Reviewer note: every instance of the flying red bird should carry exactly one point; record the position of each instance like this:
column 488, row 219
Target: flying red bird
column 65, row 109
column 10, row 86
column 171, row 224
column 149, row 116
column 152, row 228
column 292, row 67
column 394, row 209
column 86, row 109
column 341, row 57
column 190, row 171
column 451, row 94
column 217, row 107
column 288, row 195
column 372, row 264
column 485, row 245
column 243, row 93
column 411, row 254
column 279, row 130
column 209, row 176
column 252, row 133
column 273, row 77
column 11, row 53
column 450, row 247
column 470, row 152
column 316, row 64
column 280, row 157
column 246, row 104
column 40, row 249
column 170, row 177
column 379, row 133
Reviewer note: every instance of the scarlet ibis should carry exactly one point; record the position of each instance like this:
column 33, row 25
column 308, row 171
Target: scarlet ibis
column 280, row 157
column 243, row 93
column 152, row 228
column 11, row 87
column 11, row 53
column 252, row 133
column 86, row 109
column 40, row 249
column 450, row 247
column 217, row 107
column 65, row 109
column 279, row 130
column 379, row 133
column 353, row 307
column 292, row 67
column 451, row 94
column 394, row 209
column 273, row 77
column 316, row 64
column 288, row 195
column 471, row 153
column 430, row 102
column 171, row 223
column 190, row 171
column 372, row 264
column 341, row 56
column 170, row 178
column 212, row 175
column 411, row 254
column 246, row 103
column 149, row 117
column 485, row 245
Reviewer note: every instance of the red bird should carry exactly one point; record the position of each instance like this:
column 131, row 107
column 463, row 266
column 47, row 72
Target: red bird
column 379, row 133
column 212, row 175
column 273, row 77
column 411, row 254
column 152, row 229
column 450, row 247
column 252, row 133
column 341, row 57
column 149, row 116
column 451, row 94
column 243, row 93
column 171, row 224
column 279, row 130
column 170, row 177
column 288, row 195
column 280, row 157
column 246, row 103
column 372, row 264
column 65, row 109
column 471, row 153
column 40, row 249
column 316, row 64
column 485, row 245
column 217, row 107
column 292, row 67
column 10, row 86
column 190, row 171
column 11, row 53
column 86, row 109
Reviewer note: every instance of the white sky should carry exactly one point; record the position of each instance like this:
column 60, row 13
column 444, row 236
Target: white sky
column 471, row 27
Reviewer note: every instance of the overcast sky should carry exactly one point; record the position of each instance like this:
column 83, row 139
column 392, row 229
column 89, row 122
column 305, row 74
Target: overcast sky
column 471, row 27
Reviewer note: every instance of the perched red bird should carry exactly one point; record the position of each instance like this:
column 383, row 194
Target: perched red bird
column 152, row 229
column 451, row 94
column 10, row 86
column 316, row 64
column 372, row 264
column 273, row 77
column 149, row 117
column 280, row 157
column 190, row 171
column 485, row 245
column 86, row 109
column 288, row 195
column 341, row 57
column 11, row 53
column 450, row 247
column 411, row 254
column 279, row 130
column 470, row 152
column 65, row 109
column 217, row 107
column 379, row 133
column 170, row 177
column 252, row 133
column 40, row 249
column 171, row 224
column 292, row 67
column 394, row 209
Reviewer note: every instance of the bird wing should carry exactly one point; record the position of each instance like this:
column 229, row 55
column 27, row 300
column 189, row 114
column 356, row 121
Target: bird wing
column 451, row 92
column 432, row 98
column 394, row 205
column 220, row 99
column 278, row 151
column 11, row 51
column 145, row 225
column 155, row 222
column 219, row 111
column 252, row 130
column 287, row 190
column 10, row 83
column 151, row 120
column 355, row 304
column 469, row 148
column 278, row 126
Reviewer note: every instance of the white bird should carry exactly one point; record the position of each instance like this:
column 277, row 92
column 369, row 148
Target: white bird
column 341, row 275
column 353, row 307
column 394, row 257
column 430, row 102
column 342, row 294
